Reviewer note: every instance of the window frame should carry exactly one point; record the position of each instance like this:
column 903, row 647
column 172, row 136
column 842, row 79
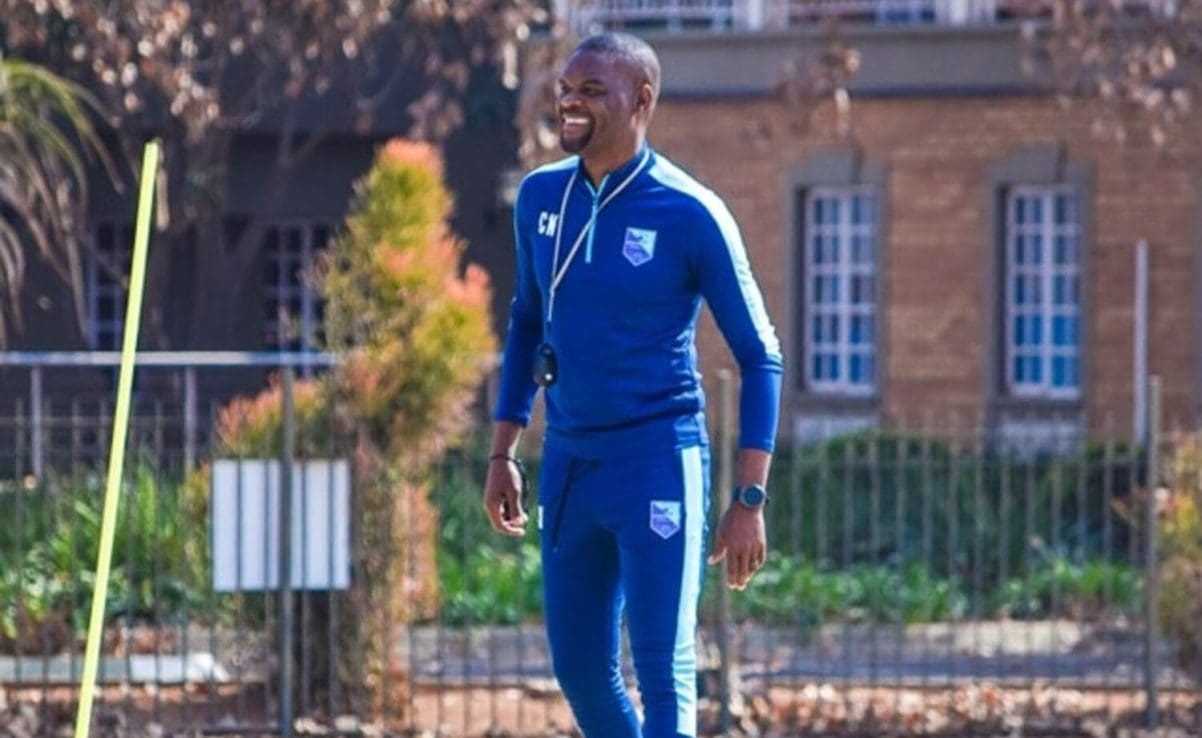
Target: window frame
column 1033, row 164
column 808, row 415
column 99, row 285
column 1046, row 271
column 844, row 270
column 282, row 292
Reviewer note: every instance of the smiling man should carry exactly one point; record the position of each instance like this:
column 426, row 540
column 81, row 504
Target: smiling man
column 616, row 249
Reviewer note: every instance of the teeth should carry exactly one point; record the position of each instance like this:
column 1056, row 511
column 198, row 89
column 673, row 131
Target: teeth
column 573, row 120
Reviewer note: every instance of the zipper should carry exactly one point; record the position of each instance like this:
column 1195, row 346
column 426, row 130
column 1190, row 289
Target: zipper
column 558, row 519
column 592, row 222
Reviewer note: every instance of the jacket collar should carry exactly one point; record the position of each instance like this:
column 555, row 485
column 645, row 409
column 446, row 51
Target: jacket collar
column 618, row 175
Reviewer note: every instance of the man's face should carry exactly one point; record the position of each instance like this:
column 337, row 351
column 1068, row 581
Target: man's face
column 597, row 104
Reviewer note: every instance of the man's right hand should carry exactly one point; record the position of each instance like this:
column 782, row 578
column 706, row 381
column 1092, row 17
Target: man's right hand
column 503, row 497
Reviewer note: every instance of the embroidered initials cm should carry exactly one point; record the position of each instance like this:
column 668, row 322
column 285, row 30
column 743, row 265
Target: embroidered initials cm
column 547, row 223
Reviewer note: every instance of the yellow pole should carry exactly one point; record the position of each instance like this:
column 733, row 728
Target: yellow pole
column 112, row 492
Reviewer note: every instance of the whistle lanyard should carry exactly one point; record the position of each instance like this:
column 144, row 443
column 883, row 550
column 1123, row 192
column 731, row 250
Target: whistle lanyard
column 562, row 270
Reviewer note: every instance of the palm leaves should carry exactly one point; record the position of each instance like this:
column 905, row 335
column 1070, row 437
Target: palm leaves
column 46, row 138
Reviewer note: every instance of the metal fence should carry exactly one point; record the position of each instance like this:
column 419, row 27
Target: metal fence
column 921, row 581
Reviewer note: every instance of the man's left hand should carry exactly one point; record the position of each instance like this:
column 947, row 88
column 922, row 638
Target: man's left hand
column 741, row 540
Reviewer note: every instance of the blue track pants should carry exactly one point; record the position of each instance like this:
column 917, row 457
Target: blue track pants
column 618, row 535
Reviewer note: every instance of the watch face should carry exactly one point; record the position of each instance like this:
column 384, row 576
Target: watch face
column 753, row 496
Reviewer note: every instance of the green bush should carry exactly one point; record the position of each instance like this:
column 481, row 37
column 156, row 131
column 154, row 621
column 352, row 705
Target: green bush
column 48, row 558
column 792, row 591
column 984, row 516
column 488, row 578
column 1180, row 574
column 484, row 577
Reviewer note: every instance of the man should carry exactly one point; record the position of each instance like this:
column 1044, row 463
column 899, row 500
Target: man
column 616, row 247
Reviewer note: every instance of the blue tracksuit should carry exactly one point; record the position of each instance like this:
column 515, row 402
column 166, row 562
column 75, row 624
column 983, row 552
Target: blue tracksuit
column 612, row 278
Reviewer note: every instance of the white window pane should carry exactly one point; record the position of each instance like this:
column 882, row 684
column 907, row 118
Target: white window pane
column 1066, row 249
column 861, row 209
column 855, row 368
column 861, row 250
column 841, row 289
column 1034, row 369
column 1036, row 212
column 1064, row 290
column 1061, row 372
column 1059, row 330
column 861, row 289
column 861, row 330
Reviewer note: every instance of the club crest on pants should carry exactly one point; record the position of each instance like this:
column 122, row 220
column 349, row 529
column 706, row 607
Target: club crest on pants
column 665, row 517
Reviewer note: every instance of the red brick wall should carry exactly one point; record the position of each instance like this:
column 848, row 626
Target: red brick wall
column 936, row 152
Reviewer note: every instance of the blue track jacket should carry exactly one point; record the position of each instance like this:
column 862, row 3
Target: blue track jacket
column 635, row 257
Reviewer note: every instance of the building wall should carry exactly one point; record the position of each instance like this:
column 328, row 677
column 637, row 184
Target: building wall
column 938, row 325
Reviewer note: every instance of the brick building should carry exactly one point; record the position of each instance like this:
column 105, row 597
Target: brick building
column 963, row 250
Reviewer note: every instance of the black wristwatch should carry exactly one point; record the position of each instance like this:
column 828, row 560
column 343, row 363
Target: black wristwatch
column 752, row 496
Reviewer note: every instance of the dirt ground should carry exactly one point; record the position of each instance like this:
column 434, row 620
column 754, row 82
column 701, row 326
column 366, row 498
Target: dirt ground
column 538, row 711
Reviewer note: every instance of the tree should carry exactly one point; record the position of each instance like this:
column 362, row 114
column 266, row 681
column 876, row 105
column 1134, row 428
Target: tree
column 47, row 139
column 199, row 74
column 414, row 333
column 1142, row 59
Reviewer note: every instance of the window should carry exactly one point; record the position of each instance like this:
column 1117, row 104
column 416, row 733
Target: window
column 105, row 269
column 1043, row 293
column 292, row 308
column 905, row 11
column 839, row 311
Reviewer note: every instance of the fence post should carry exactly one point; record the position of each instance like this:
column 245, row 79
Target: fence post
column 1151, row 590
column 285, row 568
column 189, row 418
column 37, row 452
column 727, row 676
column 755, row 14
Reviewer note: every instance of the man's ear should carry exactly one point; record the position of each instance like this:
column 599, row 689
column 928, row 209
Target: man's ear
column 644, row 97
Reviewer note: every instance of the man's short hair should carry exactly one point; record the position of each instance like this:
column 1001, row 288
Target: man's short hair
column 629, row 49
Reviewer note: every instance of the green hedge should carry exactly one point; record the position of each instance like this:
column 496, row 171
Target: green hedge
column 1060, row 571
column 48, row 555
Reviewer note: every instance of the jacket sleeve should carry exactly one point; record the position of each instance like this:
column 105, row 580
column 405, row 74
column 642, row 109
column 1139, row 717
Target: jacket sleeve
column 517, row 388
column 734, row 298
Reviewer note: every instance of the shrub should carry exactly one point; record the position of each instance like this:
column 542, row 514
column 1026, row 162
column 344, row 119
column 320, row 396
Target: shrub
column 413, row 332
column 969, row 513
column 47, row 563
column 1180, row 571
